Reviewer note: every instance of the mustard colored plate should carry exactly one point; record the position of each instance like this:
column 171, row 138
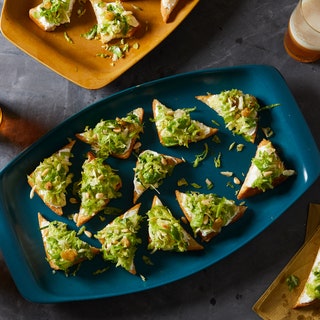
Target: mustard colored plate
column 79, row 61
column 278, row 301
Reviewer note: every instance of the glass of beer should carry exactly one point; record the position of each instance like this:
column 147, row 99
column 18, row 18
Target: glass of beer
column 302, row 39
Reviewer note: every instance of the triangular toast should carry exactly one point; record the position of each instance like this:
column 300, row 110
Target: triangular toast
column 166, row 232
column 115, row 137
column 166, row 8
column 62, row 246
column 208, row 213
column 113, row 20
column 119, row 239
column 48, row 19
column 238, row 110
column 310, row 292
column 266, row 171
column 175, row 127
column 99, row 184
column 160, row 165
column 51, row 178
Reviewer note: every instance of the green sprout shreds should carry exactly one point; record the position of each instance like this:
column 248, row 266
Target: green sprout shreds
column 200, row 157
column 182, row 182
column 292, row 281
column 217, row 161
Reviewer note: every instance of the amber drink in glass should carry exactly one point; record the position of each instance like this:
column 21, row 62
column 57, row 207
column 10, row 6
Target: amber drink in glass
column 302, row 39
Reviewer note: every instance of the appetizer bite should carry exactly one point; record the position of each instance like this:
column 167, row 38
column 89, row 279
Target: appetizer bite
column 150, row 171
column 99, row 184
column 115, row 137
column 175, row 127
column 266, row 171
column 311, row 289
column 208, row 213
column 51, row 13
column 238, row 110
column 63, row 248
column 119, row 239
column 51, row 178
column 165, row 231
column 113, row 21
column 166, row 8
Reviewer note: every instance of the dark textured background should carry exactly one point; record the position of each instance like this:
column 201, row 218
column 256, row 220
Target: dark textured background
column 216, row 34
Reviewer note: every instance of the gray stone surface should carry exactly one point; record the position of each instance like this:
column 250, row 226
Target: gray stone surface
column 217, row 33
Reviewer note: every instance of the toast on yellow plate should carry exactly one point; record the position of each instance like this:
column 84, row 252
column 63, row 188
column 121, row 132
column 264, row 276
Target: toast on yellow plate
column 266, row 171
column 208, row 213
column 115, row 137
column 166, row 8
column 119, row 239
column 51, row 13
column 311, row 289
column 166, row 232
column 63, row 248
column 113, row 21
column 175, row 127
column 150, row 171
column 51, row 178
column 99, row 184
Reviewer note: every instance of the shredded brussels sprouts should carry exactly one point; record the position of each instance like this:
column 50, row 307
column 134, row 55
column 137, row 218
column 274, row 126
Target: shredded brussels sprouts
column 165, row 231
column 64, row 248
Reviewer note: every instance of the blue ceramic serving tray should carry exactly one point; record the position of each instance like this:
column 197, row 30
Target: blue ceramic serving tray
column 20, row 238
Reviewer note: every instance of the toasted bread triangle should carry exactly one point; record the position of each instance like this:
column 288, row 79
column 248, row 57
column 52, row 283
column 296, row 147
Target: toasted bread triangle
column 43, row 22
column 241, row 106
column 211, row 228
column 70, row 254
column 248, row 188
column 139, row 112
column 179, row 136
column 132, row 228
column 112, row 16
column 93, row 191
column 42, row 193
column 139, row 186
column 192, row 244
column 166, row 8
column 304, row 298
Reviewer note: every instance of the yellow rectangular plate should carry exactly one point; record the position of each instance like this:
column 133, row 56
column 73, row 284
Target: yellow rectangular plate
column 277, row 302
column 79, row 61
